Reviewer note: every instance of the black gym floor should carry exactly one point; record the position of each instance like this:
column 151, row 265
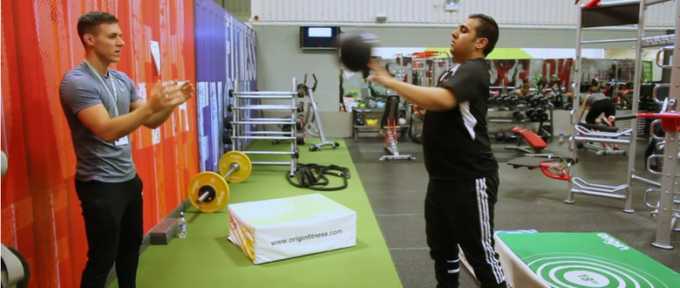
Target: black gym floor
column 527, row 200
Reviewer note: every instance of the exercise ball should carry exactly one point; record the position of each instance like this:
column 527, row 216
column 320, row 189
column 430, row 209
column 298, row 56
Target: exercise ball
column 355, row 50
column 4, row 163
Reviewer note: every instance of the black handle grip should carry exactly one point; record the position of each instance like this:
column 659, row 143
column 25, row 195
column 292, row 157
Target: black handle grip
column 315, row 82
column 625, row 117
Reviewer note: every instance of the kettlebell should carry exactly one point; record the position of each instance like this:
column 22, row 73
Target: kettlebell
column 360, row 120
column 372, row 121
column 355, row 50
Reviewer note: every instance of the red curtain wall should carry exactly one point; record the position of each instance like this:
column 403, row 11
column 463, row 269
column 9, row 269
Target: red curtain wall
column 40, row 209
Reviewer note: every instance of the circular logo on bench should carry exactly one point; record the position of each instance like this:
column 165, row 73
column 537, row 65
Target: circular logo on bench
column 581, row 270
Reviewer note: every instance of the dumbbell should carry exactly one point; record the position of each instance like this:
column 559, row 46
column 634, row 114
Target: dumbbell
column 360, row 120
column 512, row 101
column 518, row 116
column 534, row 101
column 492, row 100
column 509, row 136
column 530, row 113
column 503, row 100
column 209, row 191
column 500, row 136
column 541, row 115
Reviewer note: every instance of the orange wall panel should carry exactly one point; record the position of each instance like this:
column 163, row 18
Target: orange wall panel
column 41, row 214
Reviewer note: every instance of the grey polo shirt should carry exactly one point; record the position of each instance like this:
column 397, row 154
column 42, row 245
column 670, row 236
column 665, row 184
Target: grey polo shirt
column 97, row 159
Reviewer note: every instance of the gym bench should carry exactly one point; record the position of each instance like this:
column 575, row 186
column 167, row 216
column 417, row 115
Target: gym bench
column 535, row 142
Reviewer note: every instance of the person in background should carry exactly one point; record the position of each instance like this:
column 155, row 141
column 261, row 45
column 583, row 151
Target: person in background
column 523, row 91
column 596, row 103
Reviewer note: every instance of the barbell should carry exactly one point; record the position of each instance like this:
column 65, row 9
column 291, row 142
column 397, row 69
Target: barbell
column 209, row 191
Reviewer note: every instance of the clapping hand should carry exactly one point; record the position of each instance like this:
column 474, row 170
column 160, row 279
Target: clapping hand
column 169, row 94
column 187, row 89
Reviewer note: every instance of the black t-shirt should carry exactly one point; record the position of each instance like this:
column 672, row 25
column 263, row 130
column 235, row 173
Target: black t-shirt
column 456, row 142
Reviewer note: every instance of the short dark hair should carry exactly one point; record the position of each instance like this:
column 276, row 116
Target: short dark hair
column 594, row 85
column 90, row 21
column 488, row 28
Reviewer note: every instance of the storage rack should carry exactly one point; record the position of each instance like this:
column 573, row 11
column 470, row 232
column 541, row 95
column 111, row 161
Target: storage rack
column 376, row 128
column 625, row 12
column 239, row 135
column 498, row 115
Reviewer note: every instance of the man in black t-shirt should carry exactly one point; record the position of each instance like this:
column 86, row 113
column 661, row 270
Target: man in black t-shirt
column 463, row 185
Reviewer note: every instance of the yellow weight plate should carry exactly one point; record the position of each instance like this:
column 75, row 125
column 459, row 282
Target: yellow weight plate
column 240, row 158
column 212, row 183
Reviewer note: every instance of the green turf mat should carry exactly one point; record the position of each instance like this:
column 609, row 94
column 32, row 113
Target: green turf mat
column 588, row 260
column 207, row 259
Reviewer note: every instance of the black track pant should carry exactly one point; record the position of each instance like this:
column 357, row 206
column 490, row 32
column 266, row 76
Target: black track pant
column 460, row 212
column 114, row 229
column 605, row 106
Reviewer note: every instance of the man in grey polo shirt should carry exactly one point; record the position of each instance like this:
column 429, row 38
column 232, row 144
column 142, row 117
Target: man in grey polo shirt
column 102, row 108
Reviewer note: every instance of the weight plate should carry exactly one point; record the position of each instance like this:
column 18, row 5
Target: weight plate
column 245, row 166
column 227, row 123
column 226, row 137
column 300, row 138
column 208, row 181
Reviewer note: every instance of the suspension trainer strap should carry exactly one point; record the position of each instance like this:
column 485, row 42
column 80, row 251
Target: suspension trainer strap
column 314, row 176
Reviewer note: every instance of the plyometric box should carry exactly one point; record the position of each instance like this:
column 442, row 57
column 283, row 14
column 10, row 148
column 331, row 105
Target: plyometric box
column 283, row 228
column 563, row 260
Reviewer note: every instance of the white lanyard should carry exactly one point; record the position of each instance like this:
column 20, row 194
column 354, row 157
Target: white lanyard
column 114, row 95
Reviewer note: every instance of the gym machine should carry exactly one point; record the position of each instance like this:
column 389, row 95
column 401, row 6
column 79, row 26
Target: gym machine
column 605, row 135
column 313, row 125
column 618, row 13
column 667, row 208
column 390, row 127
column 608, row 131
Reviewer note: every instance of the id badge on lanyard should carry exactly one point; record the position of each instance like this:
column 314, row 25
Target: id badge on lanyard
column 114, row 99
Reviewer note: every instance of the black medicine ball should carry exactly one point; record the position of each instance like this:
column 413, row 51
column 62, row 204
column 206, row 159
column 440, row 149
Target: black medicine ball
column 355, row 50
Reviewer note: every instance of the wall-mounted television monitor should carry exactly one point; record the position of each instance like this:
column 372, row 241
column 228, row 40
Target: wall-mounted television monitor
column 319, row 37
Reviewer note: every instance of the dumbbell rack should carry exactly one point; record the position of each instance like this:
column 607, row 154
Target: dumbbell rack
column 501, row 116
column 239, row 135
